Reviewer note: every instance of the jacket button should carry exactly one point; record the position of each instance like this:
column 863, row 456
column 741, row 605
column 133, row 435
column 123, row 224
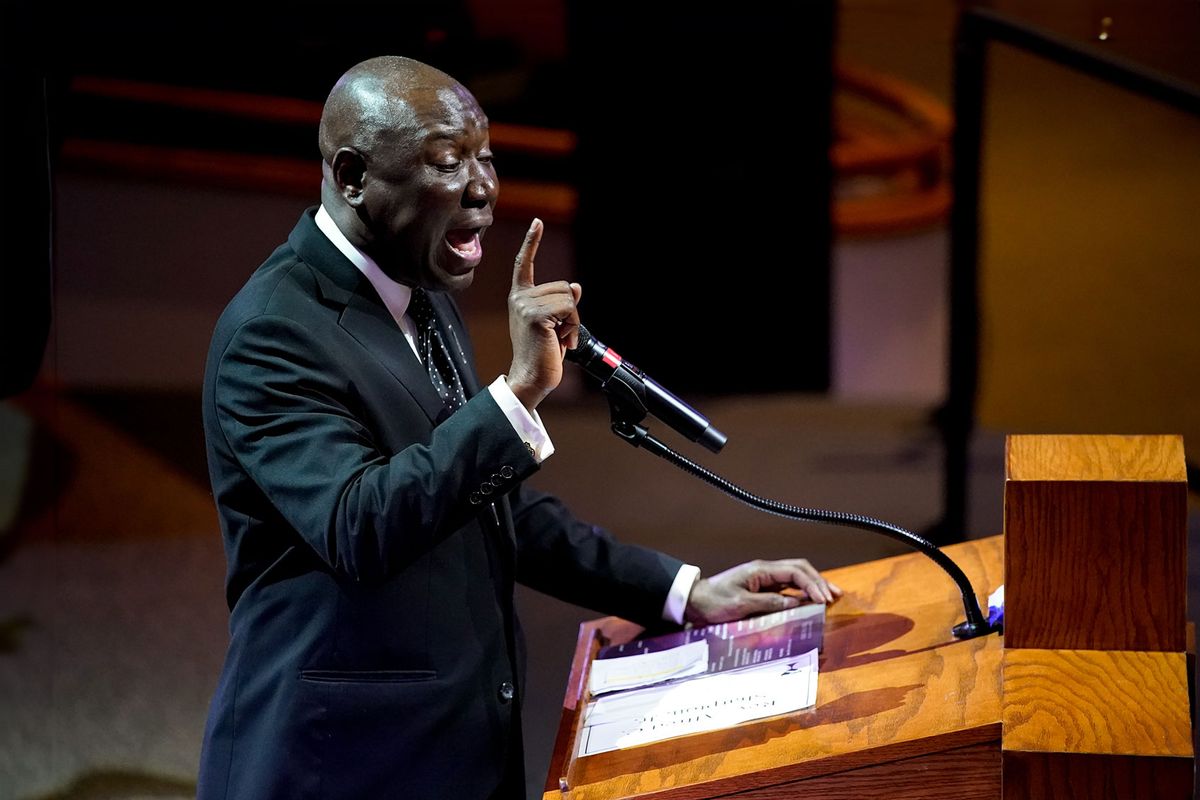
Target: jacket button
column 506, row 692
column 506, row 472
column 486, row 488
column 475, row 498
column 497, row 480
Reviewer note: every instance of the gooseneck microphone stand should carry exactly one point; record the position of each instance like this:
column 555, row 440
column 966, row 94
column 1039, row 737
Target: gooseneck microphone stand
column 628, row 410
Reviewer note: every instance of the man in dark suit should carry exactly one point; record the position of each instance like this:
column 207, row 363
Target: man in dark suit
column 369, row 490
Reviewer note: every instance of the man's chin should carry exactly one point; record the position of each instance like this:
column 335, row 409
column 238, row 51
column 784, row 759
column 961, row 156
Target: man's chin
column 452, row 281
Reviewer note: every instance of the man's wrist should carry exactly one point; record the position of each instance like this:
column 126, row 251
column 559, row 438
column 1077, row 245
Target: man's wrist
column 527, row 424
column 680, row 592
column 530, row 394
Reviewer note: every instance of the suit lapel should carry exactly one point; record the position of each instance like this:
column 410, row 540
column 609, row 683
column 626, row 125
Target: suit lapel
column 372, row 326
column 366, row 319
column 363, row 315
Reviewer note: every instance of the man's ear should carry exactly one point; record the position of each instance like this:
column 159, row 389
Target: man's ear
column 349, row 172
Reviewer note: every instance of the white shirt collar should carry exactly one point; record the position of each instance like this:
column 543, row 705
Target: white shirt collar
column 395, row 295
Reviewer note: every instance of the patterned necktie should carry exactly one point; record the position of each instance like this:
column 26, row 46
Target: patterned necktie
column 431, row 345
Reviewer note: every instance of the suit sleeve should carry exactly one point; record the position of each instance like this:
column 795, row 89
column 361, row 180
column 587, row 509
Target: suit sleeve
column 585, row 565
column 289, row 420
column 580, row 563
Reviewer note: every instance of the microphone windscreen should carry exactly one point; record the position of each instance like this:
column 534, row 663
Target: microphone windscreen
column 578, row 353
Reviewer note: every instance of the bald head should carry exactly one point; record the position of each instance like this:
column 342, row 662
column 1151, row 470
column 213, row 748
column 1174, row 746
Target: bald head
column 407, row 173
column 372, row 102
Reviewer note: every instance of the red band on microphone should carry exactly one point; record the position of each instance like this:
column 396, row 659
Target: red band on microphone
column 611, row 358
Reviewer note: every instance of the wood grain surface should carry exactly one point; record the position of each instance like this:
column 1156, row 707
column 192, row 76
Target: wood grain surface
column 1097, row 563
column 895, row 687
column 1059, row 776
column 1103, row 702
column 965, row 773
column 1095, row 458
column 1096, row 566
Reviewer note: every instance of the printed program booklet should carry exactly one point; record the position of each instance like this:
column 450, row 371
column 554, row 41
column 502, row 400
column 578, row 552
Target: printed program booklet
column 703, row 679
column 708, row 650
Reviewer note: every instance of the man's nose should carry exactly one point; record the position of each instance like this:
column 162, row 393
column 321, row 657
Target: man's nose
column 481, row 187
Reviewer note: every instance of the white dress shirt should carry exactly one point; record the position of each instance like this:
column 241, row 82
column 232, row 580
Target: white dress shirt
column 527, row 424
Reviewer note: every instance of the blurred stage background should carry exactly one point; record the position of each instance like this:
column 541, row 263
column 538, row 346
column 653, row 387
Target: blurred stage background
column 778, row 180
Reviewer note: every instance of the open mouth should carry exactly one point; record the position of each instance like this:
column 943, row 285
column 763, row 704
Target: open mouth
column 465, row 243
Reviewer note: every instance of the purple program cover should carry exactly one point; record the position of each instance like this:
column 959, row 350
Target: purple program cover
column 743, row 643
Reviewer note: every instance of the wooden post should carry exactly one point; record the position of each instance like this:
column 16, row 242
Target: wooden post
column 1095, row 700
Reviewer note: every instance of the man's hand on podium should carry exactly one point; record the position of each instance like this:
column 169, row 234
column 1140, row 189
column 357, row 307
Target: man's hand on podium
column 754, row 588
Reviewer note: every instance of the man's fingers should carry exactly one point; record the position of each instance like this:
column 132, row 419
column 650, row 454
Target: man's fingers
column 802, row 575
column 814, row 585
column 756, row 587
column 523, row 266
column 766, row 602
column 568, row 332
column 554, row 305
column 573, row 317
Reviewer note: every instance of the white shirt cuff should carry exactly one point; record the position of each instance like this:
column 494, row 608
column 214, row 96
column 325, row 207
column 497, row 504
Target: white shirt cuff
column 527, row 424
column 681, row 590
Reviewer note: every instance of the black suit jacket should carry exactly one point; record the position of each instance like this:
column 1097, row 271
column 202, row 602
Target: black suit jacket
column 372, row 544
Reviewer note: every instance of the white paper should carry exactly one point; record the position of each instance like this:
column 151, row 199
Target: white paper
column 643, row 669
column 704, row 703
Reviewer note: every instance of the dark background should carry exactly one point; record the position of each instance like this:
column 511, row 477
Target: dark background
column 697, row 215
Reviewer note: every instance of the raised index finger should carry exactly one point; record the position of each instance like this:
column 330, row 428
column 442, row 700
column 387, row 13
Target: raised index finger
column 523, row 267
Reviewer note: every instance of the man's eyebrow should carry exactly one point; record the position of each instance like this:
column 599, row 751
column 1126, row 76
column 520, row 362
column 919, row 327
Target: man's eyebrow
column 446, row 133
column 450, row 133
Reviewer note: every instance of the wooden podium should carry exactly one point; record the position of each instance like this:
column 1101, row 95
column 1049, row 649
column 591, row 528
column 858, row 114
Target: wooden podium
column 1085, row 696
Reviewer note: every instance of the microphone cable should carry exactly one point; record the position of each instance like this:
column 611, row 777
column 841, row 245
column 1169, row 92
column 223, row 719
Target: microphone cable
column 976, row 623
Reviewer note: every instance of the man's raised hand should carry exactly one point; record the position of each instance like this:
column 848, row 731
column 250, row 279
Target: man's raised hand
column 542, row 322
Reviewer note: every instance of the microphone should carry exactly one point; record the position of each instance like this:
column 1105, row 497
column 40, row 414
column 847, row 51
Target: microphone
column 629, row 385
